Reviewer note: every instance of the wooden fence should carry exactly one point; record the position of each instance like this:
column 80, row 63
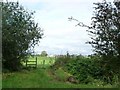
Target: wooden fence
column 31, row 63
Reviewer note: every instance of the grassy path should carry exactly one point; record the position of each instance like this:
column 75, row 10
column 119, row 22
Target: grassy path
column 37, row 78
column 41, row 78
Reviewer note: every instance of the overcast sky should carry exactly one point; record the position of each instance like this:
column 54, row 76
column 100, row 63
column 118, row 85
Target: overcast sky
column 61, row 35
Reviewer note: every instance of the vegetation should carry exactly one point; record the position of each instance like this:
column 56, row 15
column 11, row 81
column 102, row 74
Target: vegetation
column 106, row 25
column 44, row 53
column 86, row 70
column 19, row 33
column 40, row 77
column 105, row 34
column 100, row 70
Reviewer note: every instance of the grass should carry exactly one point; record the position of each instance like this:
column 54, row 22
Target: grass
column 38, row 78
column 40, row 60
column 41, row 78
column 61, row 75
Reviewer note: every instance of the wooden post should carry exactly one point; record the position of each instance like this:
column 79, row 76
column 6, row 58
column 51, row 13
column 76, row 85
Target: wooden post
column 26, row 63
column 36, row 62
column 43, row 63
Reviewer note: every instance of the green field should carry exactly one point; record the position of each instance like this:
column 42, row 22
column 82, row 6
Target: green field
column 42, row 61
column 42, row 77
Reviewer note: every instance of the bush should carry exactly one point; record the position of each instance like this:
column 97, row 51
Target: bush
column 87, row 69
column 83, row 68
column 61, row 61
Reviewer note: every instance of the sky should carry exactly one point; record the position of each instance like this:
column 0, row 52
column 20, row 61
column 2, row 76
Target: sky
column 60, row 34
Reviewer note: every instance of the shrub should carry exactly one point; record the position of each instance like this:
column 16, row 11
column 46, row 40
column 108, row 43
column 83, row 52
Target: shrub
column 87, row 69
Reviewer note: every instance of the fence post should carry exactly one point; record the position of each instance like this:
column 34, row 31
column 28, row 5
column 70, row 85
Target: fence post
column 43, row 63
column 26, row 63
column 36, row 62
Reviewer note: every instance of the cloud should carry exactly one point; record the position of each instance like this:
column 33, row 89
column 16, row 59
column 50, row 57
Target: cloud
column 55, row 1
column 60, row 1
column 60, row 34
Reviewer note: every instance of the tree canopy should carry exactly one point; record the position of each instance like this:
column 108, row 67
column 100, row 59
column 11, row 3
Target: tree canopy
column 19, row 34
column 44, row 53
column 105, row 32
column 106, row 29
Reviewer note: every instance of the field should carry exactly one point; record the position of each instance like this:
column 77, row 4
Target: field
column 42, row 61
column 42, row 77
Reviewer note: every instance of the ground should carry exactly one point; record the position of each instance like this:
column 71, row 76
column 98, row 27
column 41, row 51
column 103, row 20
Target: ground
column 42, row 77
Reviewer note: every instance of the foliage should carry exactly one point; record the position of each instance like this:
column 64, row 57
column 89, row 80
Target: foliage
column 83, row 68
column 105, row 34
column 106, row 29
column 60, row 61
column 106, row 25
column 87, row 70
column 32, row 78
column 19, row 34
column 39, row 78
column 44, row 53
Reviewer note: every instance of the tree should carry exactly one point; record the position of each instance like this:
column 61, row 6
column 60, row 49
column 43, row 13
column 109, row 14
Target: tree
column 44, row 53
column 106, row 25
column 19, row 34
column 105, row 33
